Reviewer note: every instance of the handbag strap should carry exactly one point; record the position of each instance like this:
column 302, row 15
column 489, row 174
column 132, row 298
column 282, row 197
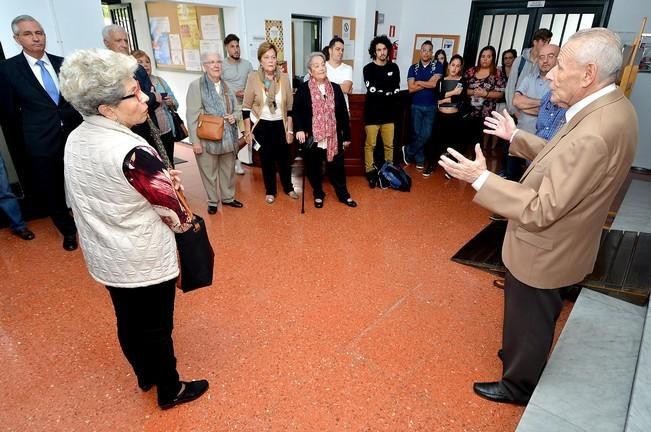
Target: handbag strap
column 184, row 203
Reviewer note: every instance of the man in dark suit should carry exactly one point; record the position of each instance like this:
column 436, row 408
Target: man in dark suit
column 116, row 39
column 37, row 116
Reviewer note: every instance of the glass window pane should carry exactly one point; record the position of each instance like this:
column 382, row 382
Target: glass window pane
column 546, row 21
column 586, row 21
column 520, row 30
column 485, row 33
column 509, row 30
column 571, row 25
column 496, row 34
column 557, row 28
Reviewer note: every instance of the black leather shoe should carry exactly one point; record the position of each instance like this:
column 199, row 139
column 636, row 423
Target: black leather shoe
column 235, row 203
column 191, row 390
column 318, row 203
column 70, row 242
column 495, row 392
column 350, row 203
column 144, row 384
column 212, row 209
column 25, row 234
column 372, row 177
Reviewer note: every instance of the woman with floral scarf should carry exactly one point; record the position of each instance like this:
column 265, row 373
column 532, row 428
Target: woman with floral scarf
column 321, row 119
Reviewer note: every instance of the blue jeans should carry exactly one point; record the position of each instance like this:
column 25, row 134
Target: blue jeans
column 422, row 119
column 8, row 201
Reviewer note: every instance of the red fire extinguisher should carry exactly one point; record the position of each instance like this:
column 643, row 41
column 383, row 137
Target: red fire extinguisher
column 394, row 51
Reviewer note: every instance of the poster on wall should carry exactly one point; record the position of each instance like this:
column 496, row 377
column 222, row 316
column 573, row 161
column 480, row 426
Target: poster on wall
column 192, row 60
column 346, row 27
column 176, row 49
column 188, row 27
column 159, row 28
column 210, row 27
column 273, row 30
column 211, row 46
column 448, row 46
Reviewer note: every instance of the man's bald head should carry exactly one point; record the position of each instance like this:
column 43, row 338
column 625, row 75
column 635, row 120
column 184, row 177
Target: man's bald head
column 547, row 58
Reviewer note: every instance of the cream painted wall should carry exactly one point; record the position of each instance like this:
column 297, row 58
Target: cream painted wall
column 626, row 16
column 68, row 24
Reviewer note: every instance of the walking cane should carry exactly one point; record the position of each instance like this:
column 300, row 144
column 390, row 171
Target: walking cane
column 303, row 181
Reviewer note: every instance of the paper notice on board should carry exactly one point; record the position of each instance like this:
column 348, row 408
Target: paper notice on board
column 346, row 29
column 177, row 57
column 159, row 24
column 349, row 50
column 211, row 46
column 419, row 42
column 210, row 27
column 175, row 41
column 448, row 46
column 192, row 59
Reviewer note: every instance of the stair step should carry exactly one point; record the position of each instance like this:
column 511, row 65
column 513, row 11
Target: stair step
column 586, row 385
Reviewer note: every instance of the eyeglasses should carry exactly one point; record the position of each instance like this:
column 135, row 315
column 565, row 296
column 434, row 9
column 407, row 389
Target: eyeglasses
column 133, row 95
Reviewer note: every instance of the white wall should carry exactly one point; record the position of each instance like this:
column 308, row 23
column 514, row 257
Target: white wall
column 626, row 16
column 246, row 20
column 67, row 23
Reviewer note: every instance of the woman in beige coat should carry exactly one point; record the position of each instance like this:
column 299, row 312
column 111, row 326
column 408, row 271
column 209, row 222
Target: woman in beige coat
column 267, row 112
column 216, row 159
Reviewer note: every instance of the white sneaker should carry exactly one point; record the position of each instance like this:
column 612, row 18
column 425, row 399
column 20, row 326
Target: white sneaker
column 238, row 167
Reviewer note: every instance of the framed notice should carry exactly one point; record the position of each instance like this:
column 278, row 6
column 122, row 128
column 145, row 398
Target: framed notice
column 448, row 43
column 181, row 32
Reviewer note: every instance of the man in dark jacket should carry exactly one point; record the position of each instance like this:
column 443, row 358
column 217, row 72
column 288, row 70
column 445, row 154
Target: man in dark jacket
column 38, row 119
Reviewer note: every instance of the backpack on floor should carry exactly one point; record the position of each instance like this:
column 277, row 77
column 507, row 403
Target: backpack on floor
column 394, row 177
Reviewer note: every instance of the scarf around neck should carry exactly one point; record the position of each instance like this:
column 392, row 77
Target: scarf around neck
column 215, row 104
column 324, row 120
column 271, row 87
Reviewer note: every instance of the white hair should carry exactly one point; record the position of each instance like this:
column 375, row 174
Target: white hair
column 93, row 77
column 599, row 46
column 311, row 57
column 22, row 18
column 111, row 28
column 204, row 56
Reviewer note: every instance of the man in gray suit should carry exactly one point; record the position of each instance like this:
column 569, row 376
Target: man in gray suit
column 556, row 211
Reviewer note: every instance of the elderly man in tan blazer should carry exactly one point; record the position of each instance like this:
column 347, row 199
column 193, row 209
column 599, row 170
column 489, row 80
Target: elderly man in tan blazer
column 557, row 209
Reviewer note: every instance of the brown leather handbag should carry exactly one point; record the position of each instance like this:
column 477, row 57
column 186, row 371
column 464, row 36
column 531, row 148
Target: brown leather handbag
column 210, row 127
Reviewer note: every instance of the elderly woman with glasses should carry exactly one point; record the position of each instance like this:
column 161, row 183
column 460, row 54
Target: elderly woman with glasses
column 126, row 210
column 267, row 112
column 209, row 94
column 321, row 119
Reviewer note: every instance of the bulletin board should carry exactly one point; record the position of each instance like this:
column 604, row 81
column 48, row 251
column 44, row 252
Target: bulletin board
column 448, row 43
column 344, row 27
column 181, row 32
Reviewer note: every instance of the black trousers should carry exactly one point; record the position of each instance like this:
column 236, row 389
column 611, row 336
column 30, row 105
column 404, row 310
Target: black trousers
column 145, row 319
column 530, row 316
column 448, row 132
column 314, row 159
column 274, row 154
column 48, row 184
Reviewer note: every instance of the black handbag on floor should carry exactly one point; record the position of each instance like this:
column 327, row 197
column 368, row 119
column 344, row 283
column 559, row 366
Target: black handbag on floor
column 196, row 255
column 180, row 131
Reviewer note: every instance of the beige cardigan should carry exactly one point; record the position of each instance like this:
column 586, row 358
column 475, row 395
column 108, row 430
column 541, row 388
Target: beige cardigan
column 254, row 95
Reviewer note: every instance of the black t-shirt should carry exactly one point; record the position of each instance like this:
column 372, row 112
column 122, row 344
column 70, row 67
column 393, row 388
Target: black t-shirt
column 382, row 87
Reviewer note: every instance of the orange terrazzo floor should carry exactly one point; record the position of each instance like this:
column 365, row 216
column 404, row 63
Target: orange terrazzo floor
column 338, row 319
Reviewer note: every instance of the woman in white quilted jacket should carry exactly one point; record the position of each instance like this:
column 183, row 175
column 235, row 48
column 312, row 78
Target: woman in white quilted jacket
column 126, row 209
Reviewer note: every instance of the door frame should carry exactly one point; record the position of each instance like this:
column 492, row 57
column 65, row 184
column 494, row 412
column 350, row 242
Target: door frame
column 479, row 8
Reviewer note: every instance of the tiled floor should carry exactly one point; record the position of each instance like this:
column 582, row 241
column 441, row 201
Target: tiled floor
column 338, row 319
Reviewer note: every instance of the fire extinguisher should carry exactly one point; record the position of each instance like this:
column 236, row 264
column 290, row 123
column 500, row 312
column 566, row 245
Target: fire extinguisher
column 394, row 51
